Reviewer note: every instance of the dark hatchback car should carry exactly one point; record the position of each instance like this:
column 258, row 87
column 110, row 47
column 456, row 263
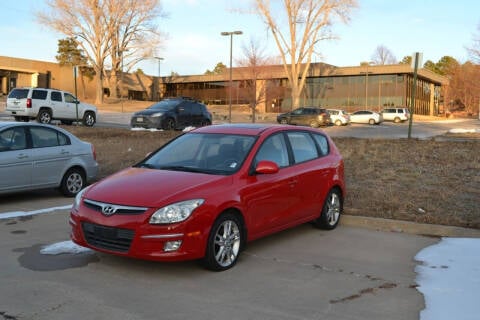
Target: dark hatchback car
column 306, row 116
column 171, row 114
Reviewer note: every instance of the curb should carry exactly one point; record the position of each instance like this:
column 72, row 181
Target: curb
column 424, row 229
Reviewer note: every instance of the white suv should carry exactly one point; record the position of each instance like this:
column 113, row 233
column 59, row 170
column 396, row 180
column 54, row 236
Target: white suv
column 48, row 104
column 396, row 114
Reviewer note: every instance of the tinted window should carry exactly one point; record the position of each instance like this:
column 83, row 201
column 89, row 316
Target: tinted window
column 303, row 146
column 196, row 109
column 274, row 149
column 322, row 144
column 18, row 94
column 13, row 139
column 69, row 98
column 39, row 94
column 45, row 137
column 56, row 96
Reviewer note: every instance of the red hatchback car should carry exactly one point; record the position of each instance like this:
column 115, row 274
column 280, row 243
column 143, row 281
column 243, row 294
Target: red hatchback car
column 208, row 192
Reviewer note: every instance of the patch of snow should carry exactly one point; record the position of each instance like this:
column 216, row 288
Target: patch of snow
column 459, row 130
column 16, row 214
column 449, row 279
column 188, row 129
column 64, row 247
column 144, row 129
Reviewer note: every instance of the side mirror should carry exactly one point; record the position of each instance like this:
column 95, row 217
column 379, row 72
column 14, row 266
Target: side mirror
column 266, row 167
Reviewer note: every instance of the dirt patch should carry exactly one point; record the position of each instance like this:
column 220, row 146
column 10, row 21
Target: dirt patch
column 425, row 181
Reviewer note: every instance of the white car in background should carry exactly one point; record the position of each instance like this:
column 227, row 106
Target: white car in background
column 339, row 117
column 366, row 116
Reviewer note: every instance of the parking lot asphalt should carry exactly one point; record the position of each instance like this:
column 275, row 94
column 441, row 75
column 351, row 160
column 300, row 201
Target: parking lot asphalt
column 302, row 273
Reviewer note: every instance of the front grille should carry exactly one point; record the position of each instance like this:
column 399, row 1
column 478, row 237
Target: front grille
column 108, row 238
column 116, row 209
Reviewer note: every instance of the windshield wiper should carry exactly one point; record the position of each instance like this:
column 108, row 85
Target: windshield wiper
column 146, row 165
column 181, row 168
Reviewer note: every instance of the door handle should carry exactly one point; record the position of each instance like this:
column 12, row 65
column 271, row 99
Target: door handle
column 64, row 152
column 22, row 156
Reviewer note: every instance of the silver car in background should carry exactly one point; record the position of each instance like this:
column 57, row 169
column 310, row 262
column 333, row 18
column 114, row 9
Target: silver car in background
column 38, row 156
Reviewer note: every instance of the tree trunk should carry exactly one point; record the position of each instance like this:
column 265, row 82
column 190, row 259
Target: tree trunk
column 98, row 88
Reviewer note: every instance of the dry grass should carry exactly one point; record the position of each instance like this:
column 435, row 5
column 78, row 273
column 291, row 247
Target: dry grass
column 425, row 181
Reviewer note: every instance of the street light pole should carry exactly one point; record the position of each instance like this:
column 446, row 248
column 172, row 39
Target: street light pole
column 159, row 76
column 230, row 33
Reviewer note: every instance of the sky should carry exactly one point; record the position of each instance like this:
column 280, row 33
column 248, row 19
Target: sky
column 448, row 272
column 193, row 44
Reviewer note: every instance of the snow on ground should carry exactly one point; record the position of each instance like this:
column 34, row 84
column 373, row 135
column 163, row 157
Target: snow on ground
column 16, row 214
column 64, row 247
column 449, row 279
column 459, row 130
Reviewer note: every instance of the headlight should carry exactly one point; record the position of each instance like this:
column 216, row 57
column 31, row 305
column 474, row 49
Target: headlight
column 157, row 114
column 175, row 212
column 78, row 198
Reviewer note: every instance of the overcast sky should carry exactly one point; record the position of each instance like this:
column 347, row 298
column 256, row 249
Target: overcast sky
column 434, row 27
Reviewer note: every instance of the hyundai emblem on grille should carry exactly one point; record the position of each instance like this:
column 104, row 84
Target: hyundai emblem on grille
column 108, row 210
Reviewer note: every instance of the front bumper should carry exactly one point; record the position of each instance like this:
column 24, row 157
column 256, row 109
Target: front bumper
column 146, row 122
column 132, row 236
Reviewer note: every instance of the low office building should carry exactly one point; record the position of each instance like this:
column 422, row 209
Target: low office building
column 351, row 88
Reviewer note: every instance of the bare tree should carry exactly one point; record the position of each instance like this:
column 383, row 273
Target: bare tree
column 103, row 29
column 383, row 55
column 253, row 64
column 307, row 23
column 474, row 50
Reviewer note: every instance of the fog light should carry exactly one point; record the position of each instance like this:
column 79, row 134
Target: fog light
column 172, row 245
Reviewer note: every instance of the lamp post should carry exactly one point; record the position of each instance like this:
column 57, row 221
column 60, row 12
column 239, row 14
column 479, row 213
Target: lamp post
column 369, row 63
column 230, row 33
column 159, row 76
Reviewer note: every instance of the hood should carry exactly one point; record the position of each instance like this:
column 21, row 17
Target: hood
column 86, row 106
column 153, row 188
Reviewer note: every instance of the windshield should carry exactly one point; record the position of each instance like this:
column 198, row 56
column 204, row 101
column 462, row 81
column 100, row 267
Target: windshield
column 201, row 152
column 164, row 105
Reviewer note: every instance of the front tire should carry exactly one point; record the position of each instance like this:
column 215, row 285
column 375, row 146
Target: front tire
column 72, row 182
column 89, row 119
column 331, row 212
column 314, row 124
column 283, row 121
column 371, row 122
column 338, row 123
column 224, row 243
column 169, row 124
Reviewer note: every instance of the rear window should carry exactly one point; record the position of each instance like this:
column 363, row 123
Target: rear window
column 18, row 94
column 39, row 94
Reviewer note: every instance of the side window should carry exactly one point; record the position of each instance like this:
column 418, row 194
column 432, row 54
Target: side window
column 13, row 139
column 39, row 94
column 45, row 137
column 303, row 146
column 56, row 96
column 69, row 98
column 274, row 149
column 322, row 143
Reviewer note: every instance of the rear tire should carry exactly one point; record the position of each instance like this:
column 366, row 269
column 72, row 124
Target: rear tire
column 396, row 120
column 371, row 121
column 314, row 124
column 72, row 182
column 44, row 116
column 338, row 123
column 224, row 243
column 331, row 211
column 283, row 121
